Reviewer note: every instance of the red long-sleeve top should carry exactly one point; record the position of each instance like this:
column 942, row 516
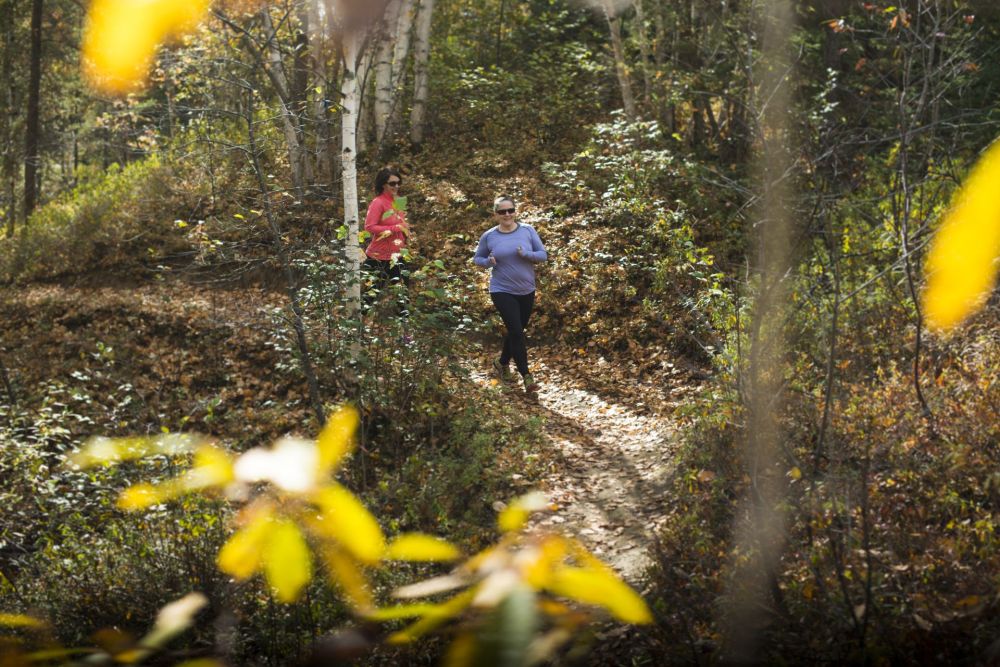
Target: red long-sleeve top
column 376, row 225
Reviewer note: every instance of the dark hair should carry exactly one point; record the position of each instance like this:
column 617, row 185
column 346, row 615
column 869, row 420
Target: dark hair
column 383, row 177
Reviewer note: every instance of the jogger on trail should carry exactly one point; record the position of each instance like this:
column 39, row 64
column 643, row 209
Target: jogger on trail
column 389, row 229
column 511, row 250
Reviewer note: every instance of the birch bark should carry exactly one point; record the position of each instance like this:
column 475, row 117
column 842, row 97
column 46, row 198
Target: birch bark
column 383, row 68
column 350, row 94
column 421, row 71
column 401, row 50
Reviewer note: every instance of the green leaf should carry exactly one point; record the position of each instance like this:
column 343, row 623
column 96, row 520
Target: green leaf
column 507, row 637
column 399, row 203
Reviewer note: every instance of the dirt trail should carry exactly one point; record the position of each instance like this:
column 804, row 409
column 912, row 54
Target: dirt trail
column 612, row 465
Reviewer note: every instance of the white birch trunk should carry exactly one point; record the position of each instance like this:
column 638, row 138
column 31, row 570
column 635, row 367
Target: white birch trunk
column 421, row 71
column 319, row 52
column 350, row 91
column 404, row 29
column 383, row 69
column 621, row 69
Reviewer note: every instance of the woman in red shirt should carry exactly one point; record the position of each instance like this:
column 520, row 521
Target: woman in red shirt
column 386, row 222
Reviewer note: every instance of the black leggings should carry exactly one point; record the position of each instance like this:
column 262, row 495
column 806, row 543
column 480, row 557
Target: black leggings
column 383, row 273
column 515, row 310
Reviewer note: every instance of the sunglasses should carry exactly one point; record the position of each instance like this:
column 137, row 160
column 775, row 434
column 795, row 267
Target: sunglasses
column 505, row 211
column 394, row 184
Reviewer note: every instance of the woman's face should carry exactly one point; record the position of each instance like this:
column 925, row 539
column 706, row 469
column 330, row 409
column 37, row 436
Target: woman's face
column 504, row 212
column 392, row 185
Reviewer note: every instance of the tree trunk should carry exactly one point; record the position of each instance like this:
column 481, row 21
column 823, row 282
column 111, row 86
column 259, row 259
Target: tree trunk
column 9, row 135
column 643, row 38
column 350, row 95
column 31, row 154
column 755, row 586
column 421, row 72
column 383, row 69
column 404, row 30
column 318, row 61
column 8, row 387
column 363, row 117
column 621, row 69
column 290, row 121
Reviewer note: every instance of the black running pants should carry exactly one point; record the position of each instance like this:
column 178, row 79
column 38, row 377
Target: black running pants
column 515, row 310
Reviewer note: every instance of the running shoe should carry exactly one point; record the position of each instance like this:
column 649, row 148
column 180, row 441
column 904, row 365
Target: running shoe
column 530, row 386
column 502, row 371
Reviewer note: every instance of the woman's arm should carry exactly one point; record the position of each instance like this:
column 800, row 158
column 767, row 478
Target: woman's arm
column 483, row 257
column 537, row 253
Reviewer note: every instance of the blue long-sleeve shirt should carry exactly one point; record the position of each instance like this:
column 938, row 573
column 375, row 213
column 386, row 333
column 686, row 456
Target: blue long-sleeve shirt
column 512, row 273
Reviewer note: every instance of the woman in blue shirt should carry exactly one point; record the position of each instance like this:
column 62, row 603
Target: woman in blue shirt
column 510, row 250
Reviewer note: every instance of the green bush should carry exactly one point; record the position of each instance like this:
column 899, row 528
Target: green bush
column 105, row 223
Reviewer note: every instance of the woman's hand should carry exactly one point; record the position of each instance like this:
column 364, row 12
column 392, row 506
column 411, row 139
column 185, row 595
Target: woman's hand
column 492, row 260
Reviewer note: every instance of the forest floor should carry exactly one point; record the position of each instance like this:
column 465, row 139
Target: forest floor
column 610, row 438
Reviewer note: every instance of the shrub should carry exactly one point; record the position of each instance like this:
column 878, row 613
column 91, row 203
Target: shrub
column 104, row 224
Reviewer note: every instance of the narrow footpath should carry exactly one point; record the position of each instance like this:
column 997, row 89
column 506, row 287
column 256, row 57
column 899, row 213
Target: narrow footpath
column 612, row 465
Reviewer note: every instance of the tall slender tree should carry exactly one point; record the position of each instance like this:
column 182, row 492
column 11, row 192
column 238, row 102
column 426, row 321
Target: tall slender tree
column 32, row 158
column 421, row 71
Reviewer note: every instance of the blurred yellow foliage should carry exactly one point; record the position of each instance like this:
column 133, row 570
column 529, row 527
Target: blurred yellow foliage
column 961, row 265
column 122, row 36
column 529, row 563
column 301, row 503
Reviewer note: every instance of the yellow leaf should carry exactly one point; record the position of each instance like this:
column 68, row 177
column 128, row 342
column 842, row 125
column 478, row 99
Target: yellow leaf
column 287, row 561
column 401, row 611
column 107, row 451
column 538, row 571
column 347, row 574
column 603, row 590
column 437, row 615
column 345, row 519
column 337, row 439
column 122, row 36
column 243, row 553
column 139, row 496
column 418, row 547
column 795, row 473
column 961, row 264
column 19, row 621
column 212, row 467
column 516, row 515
